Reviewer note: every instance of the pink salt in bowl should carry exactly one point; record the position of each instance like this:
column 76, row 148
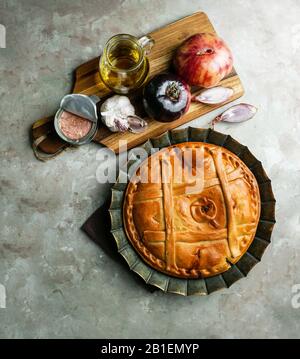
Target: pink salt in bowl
column 76, row 120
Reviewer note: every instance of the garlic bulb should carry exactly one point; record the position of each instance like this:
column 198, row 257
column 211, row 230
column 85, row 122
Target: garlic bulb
column 114, row 112
column 118, row 115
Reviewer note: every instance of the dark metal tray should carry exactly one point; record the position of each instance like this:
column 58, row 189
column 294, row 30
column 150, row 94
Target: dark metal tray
column 248, row 260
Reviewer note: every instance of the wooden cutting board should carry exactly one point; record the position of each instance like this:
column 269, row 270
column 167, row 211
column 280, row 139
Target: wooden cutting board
column 88, row 81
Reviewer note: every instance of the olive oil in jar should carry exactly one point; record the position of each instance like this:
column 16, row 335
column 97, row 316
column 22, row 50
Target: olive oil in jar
column 124, row 56
column 123, row 65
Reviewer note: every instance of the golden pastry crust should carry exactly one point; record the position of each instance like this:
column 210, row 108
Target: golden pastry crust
column 194, row 221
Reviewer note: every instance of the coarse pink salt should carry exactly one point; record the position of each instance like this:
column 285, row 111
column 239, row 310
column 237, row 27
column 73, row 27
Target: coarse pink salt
column 74, row 127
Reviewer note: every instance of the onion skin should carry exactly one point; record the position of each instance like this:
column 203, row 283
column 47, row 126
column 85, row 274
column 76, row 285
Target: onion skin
column 236, row 113
column 166, row 97
column 203, row 60
column 214, row 96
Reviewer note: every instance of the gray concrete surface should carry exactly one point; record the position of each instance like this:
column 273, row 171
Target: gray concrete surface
column 61, row 285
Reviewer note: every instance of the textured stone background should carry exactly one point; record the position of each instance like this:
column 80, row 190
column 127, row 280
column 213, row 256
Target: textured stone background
column 58, row 283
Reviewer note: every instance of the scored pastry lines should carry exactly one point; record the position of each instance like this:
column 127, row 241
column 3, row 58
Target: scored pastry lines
column 181, row 189
column 220, row 234
column 166, row 181
column 231, row 225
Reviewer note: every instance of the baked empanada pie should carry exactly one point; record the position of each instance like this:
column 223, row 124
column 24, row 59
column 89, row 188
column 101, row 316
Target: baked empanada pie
column 191, row 210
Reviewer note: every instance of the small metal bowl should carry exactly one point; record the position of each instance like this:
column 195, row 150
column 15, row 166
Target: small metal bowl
column 83, row 106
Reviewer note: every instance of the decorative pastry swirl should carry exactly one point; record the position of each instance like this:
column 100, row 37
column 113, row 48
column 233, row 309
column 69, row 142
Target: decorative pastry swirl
column 203, row 208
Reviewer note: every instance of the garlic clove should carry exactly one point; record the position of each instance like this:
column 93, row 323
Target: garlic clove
column 214, row 96
column 237, row 113
column 136, row 124
column 120, row 124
